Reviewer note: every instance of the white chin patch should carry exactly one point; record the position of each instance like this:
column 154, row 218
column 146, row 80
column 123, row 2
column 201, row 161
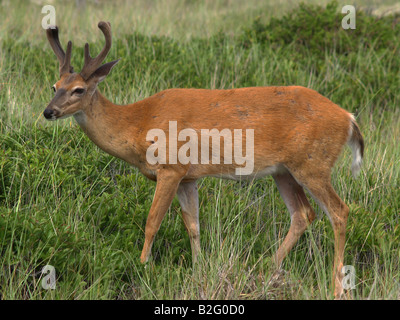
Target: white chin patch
column 63, row 117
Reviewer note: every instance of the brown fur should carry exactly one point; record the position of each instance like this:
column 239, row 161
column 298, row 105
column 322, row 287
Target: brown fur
column 298, row 136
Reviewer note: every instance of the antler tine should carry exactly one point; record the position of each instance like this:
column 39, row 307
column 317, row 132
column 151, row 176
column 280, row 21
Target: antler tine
column 66, row 66
column 63, row 59
column 52, row 36
column 91, row 64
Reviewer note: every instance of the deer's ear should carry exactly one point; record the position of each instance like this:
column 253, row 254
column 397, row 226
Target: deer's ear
column 102, row 71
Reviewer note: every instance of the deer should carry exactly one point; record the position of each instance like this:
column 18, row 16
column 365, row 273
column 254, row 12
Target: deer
column 298, row 136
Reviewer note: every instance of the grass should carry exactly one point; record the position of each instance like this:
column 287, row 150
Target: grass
column 65, row 203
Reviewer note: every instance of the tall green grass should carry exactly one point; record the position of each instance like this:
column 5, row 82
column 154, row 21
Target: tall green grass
column 65, row 203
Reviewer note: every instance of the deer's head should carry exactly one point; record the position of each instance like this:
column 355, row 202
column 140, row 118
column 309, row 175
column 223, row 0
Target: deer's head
column 74, row 91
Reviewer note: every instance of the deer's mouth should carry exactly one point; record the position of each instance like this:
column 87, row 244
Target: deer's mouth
column 56, row 113
column 50, row 114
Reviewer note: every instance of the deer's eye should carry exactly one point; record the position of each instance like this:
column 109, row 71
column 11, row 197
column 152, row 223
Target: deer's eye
column 78, row 91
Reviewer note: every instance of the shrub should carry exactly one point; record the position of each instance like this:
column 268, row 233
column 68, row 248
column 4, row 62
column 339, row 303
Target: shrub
column 317, row 30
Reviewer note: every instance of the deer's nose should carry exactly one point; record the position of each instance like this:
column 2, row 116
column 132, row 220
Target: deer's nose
column 48, row 114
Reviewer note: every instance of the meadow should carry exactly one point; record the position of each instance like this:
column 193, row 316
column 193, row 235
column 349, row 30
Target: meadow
column 65, row 203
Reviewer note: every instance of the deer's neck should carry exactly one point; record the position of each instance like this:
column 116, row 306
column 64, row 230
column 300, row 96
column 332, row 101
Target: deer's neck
column 111, row 127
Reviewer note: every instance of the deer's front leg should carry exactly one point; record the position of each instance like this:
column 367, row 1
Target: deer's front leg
column 167, row 184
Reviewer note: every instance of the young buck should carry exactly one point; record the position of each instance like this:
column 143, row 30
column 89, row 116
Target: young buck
column 298, row 135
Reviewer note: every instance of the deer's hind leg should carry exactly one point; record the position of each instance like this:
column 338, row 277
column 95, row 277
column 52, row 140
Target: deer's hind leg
column 318, row 184
column 337, row 211
column 300, row 211
column 189, row 200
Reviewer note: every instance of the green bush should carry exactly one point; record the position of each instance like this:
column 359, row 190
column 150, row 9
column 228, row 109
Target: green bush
column 318, row 30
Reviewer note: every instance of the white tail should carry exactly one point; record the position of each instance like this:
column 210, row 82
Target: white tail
column 356, row 143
